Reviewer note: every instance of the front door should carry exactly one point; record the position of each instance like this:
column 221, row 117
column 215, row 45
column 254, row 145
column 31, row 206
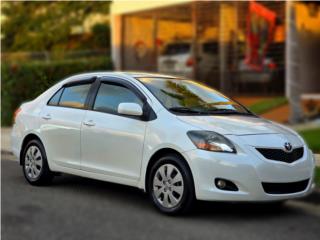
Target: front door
column 111, row 143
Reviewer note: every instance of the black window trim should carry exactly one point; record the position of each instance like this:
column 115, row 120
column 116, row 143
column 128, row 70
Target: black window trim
column 55, row 105
column 148, row 113
column 90, row 80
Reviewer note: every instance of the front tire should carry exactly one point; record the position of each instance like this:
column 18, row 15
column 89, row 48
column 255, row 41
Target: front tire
column 170, row 185
column 34, row 164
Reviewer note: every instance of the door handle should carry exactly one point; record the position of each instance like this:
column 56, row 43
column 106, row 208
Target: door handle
column 46, row 117
column 89, row 123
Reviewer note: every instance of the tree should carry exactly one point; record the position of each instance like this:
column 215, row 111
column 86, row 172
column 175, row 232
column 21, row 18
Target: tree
column 44, row 26
column 101, row 35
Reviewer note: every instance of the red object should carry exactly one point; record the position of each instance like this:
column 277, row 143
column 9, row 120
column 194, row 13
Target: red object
column 138, row 43
column 159, row 42
column 272, row 66
column 260, row 30
column 190, row 62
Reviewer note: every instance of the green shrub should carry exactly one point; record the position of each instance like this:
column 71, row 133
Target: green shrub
column 317, row 177
column 312, row 136
column 25, row 81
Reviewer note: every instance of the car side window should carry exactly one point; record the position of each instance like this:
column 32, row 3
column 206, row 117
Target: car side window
column 109, row 97
column 55, row 98
column 74, row 96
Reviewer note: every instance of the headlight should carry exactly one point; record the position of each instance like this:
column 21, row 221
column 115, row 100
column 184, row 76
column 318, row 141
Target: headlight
column 211, row 141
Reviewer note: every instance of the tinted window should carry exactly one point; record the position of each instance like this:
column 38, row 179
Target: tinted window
column 110, row 96
column 55, row 99
column 177, row 48
column 74, row 96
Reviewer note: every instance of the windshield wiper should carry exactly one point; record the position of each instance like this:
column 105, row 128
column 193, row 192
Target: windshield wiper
column 185, row 110
column 208, row 111
column 227, row 111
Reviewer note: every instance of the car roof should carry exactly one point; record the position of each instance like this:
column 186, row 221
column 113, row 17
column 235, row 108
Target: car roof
column 147, row 75
column 79, row 77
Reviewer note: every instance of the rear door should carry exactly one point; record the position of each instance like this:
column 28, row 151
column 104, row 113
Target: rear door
column 61, row 122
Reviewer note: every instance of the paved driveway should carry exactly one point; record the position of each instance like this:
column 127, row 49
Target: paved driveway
column 79, row 208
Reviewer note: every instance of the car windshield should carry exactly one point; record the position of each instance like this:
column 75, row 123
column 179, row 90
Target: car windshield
column 186, row 96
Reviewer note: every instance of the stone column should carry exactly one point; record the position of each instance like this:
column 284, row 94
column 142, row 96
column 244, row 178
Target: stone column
column 293, row 65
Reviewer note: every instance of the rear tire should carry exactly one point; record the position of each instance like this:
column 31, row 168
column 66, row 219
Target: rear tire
column 170, row 185
column 35, row 165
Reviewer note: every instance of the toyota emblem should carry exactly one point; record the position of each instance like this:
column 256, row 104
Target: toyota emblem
column 288, row 147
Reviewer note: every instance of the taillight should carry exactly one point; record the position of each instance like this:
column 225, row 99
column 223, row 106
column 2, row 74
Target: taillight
column 272, row 66
column 189, row 62
column 16, row 112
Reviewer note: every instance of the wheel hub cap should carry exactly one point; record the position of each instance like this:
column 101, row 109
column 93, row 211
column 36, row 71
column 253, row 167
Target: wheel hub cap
column 33, row 162
column 168, row 186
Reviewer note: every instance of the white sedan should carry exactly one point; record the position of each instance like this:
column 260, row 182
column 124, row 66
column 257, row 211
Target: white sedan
column 174, row 138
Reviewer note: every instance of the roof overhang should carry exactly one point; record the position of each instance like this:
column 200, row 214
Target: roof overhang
column 119, row 7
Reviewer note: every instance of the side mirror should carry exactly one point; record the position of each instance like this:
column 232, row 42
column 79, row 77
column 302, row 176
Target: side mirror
column 132, row 109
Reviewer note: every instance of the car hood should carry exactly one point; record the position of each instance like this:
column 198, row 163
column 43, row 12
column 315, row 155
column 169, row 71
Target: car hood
column 235, row 125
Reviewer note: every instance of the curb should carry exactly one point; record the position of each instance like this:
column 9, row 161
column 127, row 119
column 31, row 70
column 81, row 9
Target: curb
column 6, row 152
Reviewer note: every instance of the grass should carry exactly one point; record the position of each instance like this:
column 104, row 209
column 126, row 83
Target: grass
column 312, row 138
column 267, row 105
column 317, row 177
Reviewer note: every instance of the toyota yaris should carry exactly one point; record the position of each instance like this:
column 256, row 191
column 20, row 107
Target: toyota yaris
column 174, row 138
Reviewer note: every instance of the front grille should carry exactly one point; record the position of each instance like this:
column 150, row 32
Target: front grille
column 285, row 188
column 281, row 155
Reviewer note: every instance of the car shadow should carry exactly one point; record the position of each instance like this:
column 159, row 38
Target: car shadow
column 137, row 199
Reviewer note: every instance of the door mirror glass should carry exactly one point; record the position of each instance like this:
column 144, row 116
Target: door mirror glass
column 132, row 109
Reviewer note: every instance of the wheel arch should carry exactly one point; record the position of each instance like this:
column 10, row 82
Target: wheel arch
column 156, row 156
column 29, row 137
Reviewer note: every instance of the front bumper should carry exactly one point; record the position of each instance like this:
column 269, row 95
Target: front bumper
column 247, row 171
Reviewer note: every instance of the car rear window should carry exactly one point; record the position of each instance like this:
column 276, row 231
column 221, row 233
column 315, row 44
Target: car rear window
column 177, row 48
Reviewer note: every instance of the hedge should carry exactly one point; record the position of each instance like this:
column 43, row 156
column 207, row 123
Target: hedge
column 22, row 82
